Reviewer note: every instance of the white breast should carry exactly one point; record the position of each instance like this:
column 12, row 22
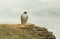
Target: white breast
column 24, row 15
column 24, row 18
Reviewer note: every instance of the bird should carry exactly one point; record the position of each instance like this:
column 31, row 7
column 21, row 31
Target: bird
column 24, row 18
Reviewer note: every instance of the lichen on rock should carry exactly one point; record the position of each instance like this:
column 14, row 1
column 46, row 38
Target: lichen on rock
column 35, row 32
column 29, row 31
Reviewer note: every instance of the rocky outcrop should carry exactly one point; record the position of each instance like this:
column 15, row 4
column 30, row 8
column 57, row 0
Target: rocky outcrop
column 30, row 31
column 35, row 32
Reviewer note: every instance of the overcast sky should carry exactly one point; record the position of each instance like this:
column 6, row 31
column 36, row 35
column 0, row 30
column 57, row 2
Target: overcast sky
column 41, row 12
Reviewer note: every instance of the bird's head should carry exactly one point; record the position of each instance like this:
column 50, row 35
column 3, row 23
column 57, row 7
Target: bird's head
column 25, row 12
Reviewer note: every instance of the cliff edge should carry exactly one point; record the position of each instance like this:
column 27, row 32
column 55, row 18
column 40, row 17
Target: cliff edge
column 30, row 32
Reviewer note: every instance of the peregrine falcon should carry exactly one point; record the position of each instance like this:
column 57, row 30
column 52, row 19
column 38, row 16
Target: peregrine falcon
column 24, row 18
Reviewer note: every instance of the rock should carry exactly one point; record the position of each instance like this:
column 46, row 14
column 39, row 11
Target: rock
column 29, row 31
column 35, row 32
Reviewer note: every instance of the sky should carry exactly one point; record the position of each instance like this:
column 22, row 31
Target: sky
column 45, row 13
